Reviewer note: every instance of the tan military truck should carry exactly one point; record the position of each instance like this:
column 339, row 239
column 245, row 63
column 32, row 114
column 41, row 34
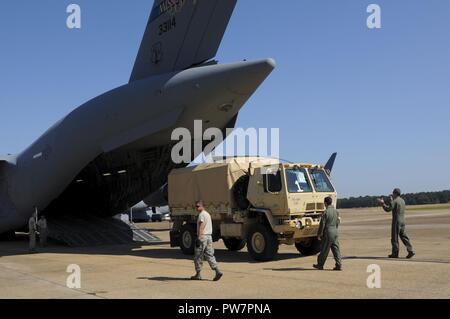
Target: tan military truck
column 260, row 202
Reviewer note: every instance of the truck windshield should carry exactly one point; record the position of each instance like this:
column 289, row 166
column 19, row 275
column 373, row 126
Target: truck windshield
column 321, row 181
column 297, row 181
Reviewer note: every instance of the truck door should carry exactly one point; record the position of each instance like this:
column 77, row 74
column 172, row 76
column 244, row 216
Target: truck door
column 267, row 190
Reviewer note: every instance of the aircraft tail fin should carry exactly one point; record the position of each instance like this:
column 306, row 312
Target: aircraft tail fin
column 329, row 165
column 180, row 34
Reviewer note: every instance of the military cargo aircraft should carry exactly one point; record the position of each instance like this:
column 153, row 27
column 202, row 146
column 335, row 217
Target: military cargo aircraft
column 114, row 150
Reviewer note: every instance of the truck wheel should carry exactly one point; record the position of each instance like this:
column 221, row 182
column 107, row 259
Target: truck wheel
column 309, row 247
column 240, row 189
column 262, row 242
column 187, row 239
column 234, row 244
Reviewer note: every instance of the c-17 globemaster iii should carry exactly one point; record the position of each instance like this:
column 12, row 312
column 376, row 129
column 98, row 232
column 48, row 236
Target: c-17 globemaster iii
column 114, row 150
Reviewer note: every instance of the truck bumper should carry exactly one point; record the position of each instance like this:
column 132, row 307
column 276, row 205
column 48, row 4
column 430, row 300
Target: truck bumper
column 299, row 228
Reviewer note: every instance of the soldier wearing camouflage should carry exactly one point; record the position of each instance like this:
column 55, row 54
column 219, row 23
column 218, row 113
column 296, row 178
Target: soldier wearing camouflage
column 204, row 244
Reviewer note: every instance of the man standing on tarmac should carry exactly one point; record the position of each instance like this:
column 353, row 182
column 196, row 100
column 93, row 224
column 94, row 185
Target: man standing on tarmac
column 32, row 229
column 397, row 207
column 204, row 244
column 328, row 233
column 43, row 230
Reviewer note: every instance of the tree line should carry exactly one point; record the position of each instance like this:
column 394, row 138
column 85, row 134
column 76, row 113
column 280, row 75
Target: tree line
column 422, row 198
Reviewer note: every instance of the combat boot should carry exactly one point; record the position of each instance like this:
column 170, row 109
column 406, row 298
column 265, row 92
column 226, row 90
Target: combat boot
column 411, row 254
column 318, row 267
column 197, row 276
column 218, row 276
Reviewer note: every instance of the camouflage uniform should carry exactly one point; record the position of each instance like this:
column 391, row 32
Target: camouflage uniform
column 43, row 231
column 397, row 207
column 32, row 232
column 328, row 231
column 205, row 251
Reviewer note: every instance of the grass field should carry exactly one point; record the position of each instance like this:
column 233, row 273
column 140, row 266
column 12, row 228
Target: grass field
column 429, row 207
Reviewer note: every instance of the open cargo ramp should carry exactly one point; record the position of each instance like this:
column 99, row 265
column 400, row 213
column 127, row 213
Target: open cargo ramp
column 94, row 231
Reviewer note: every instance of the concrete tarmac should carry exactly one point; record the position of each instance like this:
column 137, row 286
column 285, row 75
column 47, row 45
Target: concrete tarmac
column 158, row 271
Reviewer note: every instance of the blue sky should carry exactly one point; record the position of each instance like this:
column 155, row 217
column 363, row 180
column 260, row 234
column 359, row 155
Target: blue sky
column 381, row 98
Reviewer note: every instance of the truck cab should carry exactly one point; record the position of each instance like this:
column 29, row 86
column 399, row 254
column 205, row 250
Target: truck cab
column 294, row 194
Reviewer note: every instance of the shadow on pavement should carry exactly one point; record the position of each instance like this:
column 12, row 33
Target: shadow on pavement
column 297, row 269
column 164, row 279
column 158, row 250
column 435, row 261
column 291, row 269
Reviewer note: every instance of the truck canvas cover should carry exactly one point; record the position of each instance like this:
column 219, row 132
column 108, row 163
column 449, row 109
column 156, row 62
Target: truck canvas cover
column 210, row 182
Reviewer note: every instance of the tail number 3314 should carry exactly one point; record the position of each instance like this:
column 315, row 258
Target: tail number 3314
column 167, row 26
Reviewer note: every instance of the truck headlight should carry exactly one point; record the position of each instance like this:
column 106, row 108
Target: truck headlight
column 308, row 222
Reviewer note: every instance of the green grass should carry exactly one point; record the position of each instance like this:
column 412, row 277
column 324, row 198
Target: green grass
column 429, row 207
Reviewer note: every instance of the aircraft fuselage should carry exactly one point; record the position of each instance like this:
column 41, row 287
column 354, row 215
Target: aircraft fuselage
column 98, row 152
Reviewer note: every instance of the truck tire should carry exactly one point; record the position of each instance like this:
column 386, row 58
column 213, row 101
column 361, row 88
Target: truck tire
column 187, row 239
column 240, row 189
column 234, row 244
column 309, row 248
column 262, row 242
